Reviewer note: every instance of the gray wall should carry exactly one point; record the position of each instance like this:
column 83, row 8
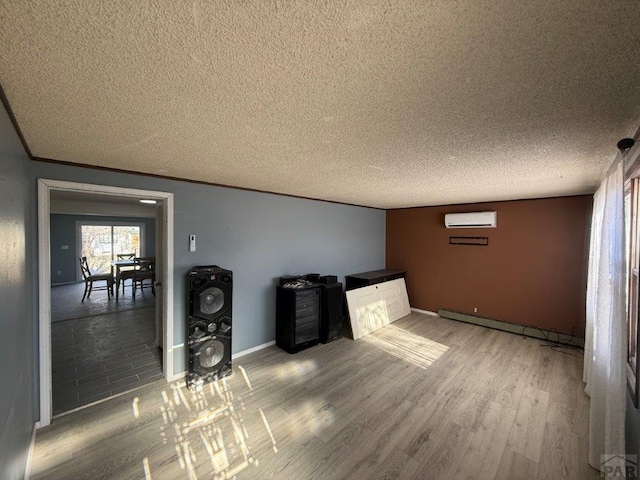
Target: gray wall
column 258, row 236
column 17, row 322
column 63, row 232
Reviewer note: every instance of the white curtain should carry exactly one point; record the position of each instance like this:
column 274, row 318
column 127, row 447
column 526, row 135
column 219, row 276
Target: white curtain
column 606, row 332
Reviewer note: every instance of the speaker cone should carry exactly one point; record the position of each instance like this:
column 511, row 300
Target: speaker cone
column 211, row 300
column 210, row 354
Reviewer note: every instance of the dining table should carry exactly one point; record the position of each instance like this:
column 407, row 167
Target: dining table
column 119, row 264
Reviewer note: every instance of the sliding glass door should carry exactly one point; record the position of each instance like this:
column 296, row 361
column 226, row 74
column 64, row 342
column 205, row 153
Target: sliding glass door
column 102, row 243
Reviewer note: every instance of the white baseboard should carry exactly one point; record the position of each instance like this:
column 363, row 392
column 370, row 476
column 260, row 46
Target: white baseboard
column 27, row 470
column 253, row 349
column 426, row 312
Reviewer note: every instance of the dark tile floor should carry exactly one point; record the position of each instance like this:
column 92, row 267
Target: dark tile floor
column 66, row 301
column 99, row 356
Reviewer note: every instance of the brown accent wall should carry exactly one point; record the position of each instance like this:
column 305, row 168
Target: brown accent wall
column 533, row 272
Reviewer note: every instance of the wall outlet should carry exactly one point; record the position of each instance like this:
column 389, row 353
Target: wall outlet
column 475, row 309
column 58, row 272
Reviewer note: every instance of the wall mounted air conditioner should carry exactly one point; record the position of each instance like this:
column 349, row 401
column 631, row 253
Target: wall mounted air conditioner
column 471, row 220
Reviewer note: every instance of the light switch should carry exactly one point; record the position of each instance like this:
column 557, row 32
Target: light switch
column 192, row 243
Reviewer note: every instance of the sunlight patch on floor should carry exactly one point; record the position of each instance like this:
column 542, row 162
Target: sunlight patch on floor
column 209, row 416
column 294, row 369
column 407, row 346
column 146, row 468
column 312, row 415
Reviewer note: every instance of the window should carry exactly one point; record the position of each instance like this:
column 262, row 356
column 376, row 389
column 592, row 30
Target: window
column 102, row 242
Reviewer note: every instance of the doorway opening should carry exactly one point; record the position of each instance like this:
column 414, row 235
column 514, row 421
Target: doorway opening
column 109, row 342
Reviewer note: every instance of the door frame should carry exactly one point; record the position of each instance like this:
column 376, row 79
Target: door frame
column 45, row 186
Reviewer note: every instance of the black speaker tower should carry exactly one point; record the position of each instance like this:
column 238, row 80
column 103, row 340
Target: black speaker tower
column 332, row 300
column 210, row 294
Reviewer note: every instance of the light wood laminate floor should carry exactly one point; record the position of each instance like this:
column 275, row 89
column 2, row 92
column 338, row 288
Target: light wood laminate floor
column 423, row 398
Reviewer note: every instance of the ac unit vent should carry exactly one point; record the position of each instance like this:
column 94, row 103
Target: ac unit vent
column 471, row 220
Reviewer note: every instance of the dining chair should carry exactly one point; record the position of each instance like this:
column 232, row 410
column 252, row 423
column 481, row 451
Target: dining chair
column 125, row 273
column 90, row 278
column 145, row 270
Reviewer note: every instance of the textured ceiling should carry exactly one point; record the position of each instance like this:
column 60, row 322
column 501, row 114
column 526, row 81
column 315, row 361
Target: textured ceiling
column 385, row 104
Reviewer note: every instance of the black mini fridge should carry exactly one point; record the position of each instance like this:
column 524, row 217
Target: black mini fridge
column 297, row 317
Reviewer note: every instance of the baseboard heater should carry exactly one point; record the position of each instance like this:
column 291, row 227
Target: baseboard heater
column 534, row 332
